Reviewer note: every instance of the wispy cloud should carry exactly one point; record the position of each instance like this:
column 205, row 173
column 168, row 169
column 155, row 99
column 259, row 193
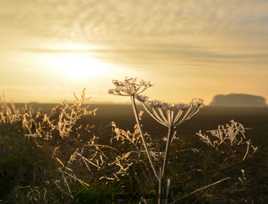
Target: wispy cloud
column 178, row 38
column 209, row 29
column 116, row 19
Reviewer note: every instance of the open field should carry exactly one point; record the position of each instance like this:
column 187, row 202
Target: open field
column 255, row 119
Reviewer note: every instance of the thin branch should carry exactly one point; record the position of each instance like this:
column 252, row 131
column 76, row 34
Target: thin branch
column 247, row 151
column 201, row 189
column 134, row 106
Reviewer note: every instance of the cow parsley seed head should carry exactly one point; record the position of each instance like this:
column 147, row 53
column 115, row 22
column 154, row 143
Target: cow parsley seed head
column 170, row 114
column 129, row 87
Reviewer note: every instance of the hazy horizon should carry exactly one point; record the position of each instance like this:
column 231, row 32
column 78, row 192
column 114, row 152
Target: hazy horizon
column 188, row 49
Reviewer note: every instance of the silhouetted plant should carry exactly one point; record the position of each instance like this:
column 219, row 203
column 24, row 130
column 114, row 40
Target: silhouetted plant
column 171, row 116
column 168, row 115
column 67, row 134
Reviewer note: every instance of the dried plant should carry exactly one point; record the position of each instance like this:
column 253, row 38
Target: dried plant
column 129, row 87
column 132, row 87
column 168, row 115
column 9, row 114
column 68, row 135
column 62, row 130
column 231, row 136
column 229, row 139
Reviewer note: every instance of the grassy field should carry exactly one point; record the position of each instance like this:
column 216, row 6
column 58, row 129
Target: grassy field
column 20, row 162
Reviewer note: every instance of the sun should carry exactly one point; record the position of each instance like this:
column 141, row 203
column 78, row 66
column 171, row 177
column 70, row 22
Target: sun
column 76, row 65
column 75, row 62
column 80, row 66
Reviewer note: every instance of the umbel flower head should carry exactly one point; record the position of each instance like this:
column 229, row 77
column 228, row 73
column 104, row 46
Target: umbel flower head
column 170, row 115
column 129, row 87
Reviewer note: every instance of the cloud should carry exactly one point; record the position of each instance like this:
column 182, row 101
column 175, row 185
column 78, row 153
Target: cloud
column 195, row 39
column 173, row 26
column 116, row 19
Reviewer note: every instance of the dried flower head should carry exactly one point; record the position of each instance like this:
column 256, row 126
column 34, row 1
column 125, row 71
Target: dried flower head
column 170, row 115
column 129, row 87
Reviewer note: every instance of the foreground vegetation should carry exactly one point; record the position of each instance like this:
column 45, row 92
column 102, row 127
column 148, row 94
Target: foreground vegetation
column 62, row 156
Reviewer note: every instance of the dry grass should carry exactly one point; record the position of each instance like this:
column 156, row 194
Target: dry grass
column 83, row 158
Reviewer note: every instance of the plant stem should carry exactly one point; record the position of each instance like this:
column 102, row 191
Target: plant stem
column 134, row 106
column 247, row 151
column 159, row 198
column 163, row 169
column 167, row 191
column 170, row 130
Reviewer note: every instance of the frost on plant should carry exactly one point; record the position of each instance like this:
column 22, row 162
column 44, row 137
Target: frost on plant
column 123, row 136
column 170, row 115
column 228, row 138
column 129, row 87
column 9, row 114
column 130, row 157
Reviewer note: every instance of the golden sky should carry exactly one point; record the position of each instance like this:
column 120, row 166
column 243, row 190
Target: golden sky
column 187, row 48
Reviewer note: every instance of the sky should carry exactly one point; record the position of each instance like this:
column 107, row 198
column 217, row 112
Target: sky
column 187, row 48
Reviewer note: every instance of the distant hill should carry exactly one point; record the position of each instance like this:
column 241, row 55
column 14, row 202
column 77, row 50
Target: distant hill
column 238, row 100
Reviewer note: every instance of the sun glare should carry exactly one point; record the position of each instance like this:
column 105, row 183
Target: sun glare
column 75, row 62
column 79, row 66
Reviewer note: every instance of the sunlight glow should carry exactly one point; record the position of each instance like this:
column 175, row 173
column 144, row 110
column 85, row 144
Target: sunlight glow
column 79, row 66
column 75, row 62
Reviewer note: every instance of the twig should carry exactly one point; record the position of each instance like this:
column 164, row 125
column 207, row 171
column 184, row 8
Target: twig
column 201, row 189
column 247, row 151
